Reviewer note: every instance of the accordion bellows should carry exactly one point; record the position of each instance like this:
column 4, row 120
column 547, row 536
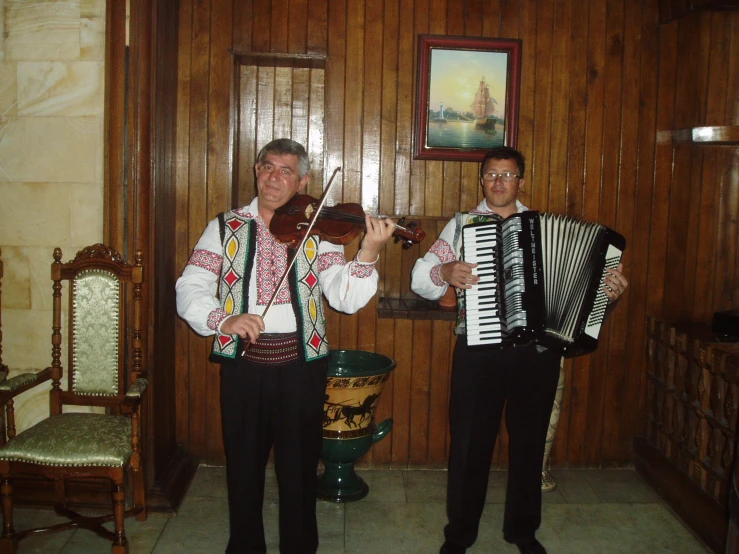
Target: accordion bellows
column 541, row 279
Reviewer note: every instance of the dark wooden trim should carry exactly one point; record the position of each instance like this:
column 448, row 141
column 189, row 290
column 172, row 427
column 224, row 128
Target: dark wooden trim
column 167, row 495
column 701, row 513
column 400, row 308
column 275, row 59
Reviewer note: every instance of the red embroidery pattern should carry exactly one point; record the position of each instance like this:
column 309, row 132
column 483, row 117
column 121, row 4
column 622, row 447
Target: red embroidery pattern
column 443, row 251
column 436, row 276
column 271, row 265
column 215, row 318
column 327, row 259
column 206, row 260
column 361, row 270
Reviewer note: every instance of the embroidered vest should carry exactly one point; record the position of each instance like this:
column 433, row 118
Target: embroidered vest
column 239, row 242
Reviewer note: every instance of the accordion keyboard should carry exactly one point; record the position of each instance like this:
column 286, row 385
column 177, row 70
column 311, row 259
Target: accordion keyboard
column 484, row 323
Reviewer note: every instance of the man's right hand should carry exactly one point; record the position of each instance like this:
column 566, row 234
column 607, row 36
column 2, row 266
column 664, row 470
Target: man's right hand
column 459, row 274
column 247, row 326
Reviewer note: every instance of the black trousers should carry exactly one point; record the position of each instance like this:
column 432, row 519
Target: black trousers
column 483, row 382
column 265, row 406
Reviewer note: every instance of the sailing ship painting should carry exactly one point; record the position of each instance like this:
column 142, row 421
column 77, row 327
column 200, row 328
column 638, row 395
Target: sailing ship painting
column 464, row 92
column 467, row 97
column 484, row 106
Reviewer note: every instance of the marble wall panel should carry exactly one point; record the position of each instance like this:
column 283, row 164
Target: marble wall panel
column 86, row 213
column 51, row 149
column 60, row 88
column 42, row 30
column 16, row 278
column 35, row 214
column 27, row 339
column 8, row 88
column 92, row 8
column 92, row 38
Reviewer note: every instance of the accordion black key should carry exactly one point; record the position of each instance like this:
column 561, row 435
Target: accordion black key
column 541, row 279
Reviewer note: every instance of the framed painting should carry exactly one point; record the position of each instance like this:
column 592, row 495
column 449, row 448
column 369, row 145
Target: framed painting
column 467, row 96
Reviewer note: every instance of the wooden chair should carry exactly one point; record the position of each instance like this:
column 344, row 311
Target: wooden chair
column 84, row 445
column 3, row 367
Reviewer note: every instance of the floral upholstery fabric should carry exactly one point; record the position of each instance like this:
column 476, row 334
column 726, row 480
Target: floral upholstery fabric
column 96, row 331
column 14, row 383
column 73, row 440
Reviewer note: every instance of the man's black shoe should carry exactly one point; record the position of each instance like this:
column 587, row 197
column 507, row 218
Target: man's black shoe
column 530, row 546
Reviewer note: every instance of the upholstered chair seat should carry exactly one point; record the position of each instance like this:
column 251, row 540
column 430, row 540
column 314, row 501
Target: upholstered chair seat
column 73, row 440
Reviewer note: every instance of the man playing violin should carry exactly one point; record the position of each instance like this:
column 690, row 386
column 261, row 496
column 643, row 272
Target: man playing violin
column 273, row 373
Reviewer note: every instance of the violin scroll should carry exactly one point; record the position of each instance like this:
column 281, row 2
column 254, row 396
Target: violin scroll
column 408, row 233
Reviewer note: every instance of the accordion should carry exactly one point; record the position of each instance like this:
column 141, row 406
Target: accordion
column 541, row 279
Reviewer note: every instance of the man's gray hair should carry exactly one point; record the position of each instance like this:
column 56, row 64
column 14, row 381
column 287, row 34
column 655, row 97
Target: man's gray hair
column 284, row 146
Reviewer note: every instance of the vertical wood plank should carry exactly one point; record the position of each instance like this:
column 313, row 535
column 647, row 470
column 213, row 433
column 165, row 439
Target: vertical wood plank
column 419, row 416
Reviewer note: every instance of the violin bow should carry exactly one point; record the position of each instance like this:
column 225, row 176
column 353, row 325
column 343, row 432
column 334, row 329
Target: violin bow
column 297, row 249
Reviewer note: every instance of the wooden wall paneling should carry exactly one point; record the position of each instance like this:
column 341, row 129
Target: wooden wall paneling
column 434, row 184
column 317, row 23
column 491, row 19
column 402, row 393
column 261, row 26
column 419, row 397
column 451, row 193
column 540, row 169
column 382, row 450
column 279, row 20
column 297, row 19
column 727, row 265
column 388, row 108
column 265, row 106
column 372, row 106
column 403, row 93
column 182, row 213
column 246, row 153
column 473, row 19
column 606, row 361
column 198, row 216
column 411, row 198
column 588, row 402
column 283, row 104
column 527, row 106
column 243, row 17
column 617, row 446
column 560, row 91
column 558, row 166
column 718, row 64
column 639, row 256
column 220, row 151
column 317, row 133
column 440, row 371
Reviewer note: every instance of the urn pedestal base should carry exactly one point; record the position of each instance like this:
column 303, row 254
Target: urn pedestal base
column 355, row 380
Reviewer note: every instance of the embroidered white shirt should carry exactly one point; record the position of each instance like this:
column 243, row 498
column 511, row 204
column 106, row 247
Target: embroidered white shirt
column 346, row 286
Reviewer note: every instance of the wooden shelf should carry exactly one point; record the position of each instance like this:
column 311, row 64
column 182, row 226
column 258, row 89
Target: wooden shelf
column 707, row 136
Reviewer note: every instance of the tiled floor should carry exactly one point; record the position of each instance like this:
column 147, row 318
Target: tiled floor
column 591, row 511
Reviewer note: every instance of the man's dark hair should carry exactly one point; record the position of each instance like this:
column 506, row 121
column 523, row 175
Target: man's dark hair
column 504, row 153
column 282, row 147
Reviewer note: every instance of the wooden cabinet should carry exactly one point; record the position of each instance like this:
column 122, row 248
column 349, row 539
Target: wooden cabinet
column 690, row 421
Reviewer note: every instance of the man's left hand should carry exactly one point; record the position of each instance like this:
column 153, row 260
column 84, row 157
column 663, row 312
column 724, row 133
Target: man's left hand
column 378, row 233
column 615, row 283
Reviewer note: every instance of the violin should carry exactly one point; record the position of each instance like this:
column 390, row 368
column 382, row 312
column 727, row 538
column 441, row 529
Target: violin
column 339, row 224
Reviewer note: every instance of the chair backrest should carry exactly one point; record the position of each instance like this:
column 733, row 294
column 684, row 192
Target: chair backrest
column 3, row 367
column 104, row 292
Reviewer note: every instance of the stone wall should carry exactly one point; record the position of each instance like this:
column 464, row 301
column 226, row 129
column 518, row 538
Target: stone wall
column 51, row 165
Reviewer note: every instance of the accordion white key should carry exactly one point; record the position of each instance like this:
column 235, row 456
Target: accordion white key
column 541, row 279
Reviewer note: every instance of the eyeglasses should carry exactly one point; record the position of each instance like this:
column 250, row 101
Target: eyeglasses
column 505, row 177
